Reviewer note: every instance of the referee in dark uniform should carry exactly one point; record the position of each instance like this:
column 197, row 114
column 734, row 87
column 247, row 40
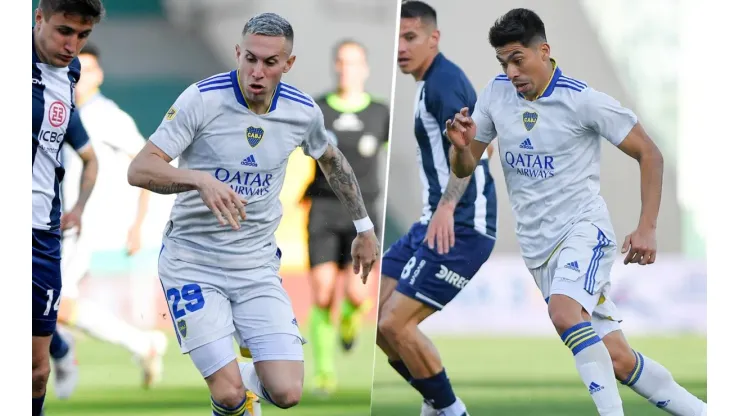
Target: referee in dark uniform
column 359, row 124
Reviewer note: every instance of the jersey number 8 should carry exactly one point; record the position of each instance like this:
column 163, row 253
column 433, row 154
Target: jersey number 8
column 192, row 294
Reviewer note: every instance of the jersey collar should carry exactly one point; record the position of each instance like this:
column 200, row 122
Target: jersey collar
column 550, row 84
column 239, row 93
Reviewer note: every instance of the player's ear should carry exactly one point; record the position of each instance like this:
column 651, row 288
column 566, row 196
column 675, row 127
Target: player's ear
column 237, row 53
column 434, row 38
column 545, row 51
column 289, row 64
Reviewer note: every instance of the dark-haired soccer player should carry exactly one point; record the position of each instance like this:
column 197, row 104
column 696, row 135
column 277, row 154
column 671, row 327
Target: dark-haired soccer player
column 61, row 29
column 427, row 268
column 549, row 128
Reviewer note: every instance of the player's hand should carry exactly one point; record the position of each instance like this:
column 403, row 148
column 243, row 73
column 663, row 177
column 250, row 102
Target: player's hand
column 133, row 240
column 441, row 229
column 365, row 252
column 226, row 205
column 461, row 129
column 640, row 246
column 72, row 219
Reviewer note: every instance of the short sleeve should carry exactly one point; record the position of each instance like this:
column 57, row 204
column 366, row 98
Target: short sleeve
column 181, row 123
column 444, row 101
column 485, row 129
column 317, row 138
column 76, row 134
column 606, row 116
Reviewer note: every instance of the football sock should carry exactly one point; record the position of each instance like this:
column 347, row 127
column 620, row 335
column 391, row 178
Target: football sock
column 38, row 405
column 252, row 381
column 103, row 325
column 221, row 410
column 401, row 369
column 594, row 365
column 654, row 382
column 436, row 390
column 58, row 347
column 323, row 340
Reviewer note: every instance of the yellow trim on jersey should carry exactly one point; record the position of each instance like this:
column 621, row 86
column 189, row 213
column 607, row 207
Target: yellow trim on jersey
column 557, row 247
column 554, row 68
column 241, row 90
column 245, row 352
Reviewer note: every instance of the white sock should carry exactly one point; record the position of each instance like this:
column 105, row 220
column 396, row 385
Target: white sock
column 594, row 365
column 455, row 409
column 654, row 382
column 103, row 325
column 252, row 381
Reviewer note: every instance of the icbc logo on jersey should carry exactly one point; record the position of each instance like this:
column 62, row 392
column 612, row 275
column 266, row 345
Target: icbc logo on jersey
column 57, row 113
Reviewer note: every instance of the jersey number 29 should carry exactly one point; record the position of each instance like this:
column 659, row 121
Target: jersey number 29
column 192, row 294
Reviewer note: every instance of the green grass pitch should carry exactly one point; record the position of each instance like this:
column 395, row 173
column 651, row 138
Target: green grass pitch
column 511, row 376
column 534, row 377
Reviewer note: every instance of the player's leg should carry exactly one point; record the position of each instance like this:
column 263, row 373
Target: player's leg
column 202, row 317
column 97, row 321
column 356, row 302
column 268, row 330
column 46, row 288
column 573, row 281
column 392, row 265
column 427, row 283
column 323, row 255
column 646, row 377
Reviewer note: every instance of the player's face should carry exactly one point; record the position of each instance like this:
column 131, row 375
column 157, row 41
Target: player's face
column 526, row 67
column 262, row 61
column 351, row 67
column 91, row 76
column 60, row 39
column 417, row 45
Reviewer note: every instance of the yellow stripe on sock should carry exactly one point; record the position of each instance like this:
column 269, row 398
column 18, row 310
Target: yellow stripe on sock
column 220, row 410
column 581, row 341
column 577, row 334
column 638, row 370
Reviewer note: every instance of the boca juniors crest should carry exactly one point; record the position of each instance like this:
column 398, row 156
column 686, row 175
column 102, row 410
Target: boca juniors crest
column 182, row 326
column 530, row 119
column 254, row 135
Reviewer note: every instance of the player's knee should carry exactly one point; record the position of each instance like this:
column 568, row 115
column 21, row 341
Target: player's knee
column 287, row 395
column 229, row 396
column 39, row 377
column 389, row 326
column 564, row 315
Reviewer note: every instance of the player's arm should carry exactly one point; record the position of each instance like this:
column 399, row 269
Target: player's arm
column 80, row 142
column 641, row 147
column 470, row 135
column 620, row 126
column 342, row 179
column 151, row 169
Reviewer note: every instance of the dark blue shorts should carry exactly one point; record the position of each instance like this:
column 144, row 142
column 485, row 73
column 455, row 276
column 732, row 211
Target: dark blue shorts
column 432, row 278
column 47, row 280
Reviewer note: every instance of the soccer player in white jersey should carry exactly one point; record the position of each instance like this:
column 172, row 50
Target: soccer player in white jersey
column 114, row 147
column 61, row 29
column 233, row 134
column 549, row 127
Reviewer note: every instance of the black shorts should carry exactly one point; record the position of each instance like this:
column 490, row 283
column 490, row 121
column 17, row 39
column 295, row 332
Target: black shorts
column 331, row 232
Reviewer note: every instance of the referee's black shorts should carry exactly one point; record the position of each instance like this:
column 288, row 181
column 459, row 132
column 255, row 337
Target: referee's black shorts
column 331, row 231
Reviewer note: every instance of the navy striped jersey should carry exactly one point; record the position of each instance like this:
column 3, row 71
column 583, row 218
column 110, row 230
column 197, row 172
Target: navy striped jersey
column 210, row 128
column 55, row 121
column 444, row 91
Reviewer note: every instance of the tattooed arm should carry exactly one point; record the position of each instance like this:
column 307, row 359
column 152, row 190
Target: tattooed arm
column 342, row 179
column 151, row 170
column 454, row 191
